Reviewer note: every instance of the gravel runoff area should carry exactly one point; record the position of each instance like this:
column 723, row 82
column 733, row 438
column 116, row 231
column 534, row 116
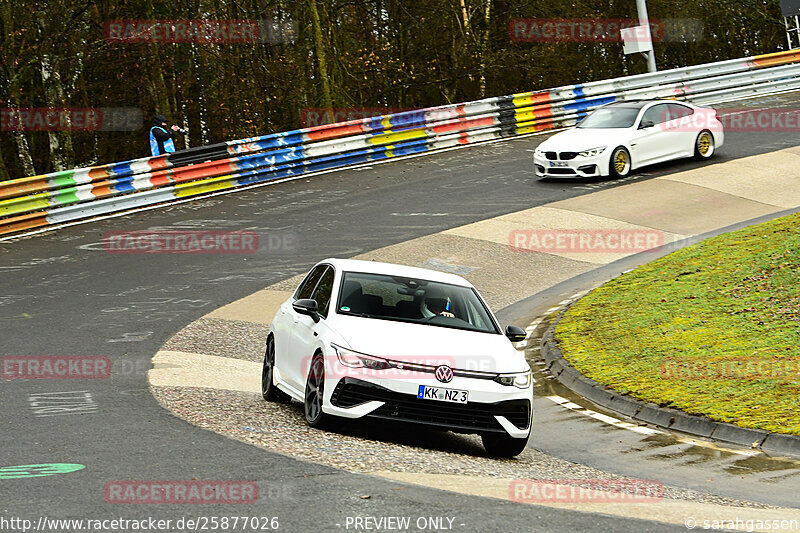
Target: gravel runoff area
column 223, row 338
column 357, row 446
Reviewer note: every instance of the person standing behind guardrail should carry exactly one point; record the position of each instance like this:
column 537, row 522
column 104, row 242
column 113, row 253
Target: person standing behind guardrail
column 162, row 139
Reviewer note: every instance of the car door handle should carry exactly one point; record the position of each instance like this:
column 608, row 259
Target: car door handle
column 633, row 144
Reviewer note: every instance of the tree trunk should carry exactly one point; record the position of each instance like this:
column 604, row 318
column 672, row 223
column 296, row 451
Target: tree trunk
column 465, row 17
column 3, row 170
column 23, row 150
column 487, row 13
column 61, row 152
column 320, row 52
column 201, row 94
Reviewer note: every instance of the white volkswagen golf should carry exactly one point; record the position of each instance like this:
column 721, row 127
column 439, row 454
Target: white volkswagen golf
column 366, row 339
column 619, row 137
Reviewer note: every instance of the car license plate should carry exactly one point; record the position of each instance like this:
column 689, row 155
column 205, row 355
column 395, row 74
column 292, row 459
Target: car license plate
column 427, row 392
column 558, row 163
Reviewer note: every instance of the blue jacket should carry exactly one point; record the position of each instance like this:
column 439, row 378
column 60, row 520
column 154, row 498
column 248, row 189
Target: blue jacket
column 161, row 141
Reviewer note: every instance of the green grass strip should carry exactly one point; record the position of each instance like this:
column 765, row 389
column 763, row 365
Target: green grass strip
column 712, row 329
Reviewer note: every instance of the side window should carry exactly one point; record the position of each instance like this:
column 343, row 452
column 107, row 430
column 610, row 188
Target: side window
column 678, row 111
column 307, row 287
column 656, row 114
column 322, row 294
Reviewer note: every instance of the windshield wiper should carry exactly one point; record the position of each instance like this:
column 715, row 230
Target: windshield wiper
column 361, row 315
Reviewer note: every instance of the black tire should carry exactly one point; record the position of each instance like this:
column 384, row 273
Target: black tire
column 704, row 147
column 501, row 445
column 313, row 397
column 620, row 164
column 269, row 391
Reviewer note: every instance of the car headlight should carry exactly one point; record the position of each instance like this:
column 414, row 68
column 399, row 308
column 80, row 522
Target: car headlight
column 591, row 152
column 354, row 359
column 522, row 380
column 538, row 153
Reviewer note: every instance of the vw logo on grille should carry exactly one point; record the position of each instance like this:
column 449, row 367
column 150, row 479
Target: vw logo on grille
column 444, row 373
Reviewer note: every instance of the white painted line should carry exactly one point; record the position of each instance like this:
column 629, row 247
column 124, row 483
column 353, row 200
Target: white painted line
column 703, row 444
column 420, row 214
column 563, row 402
column 604, row 418
column 643, row 430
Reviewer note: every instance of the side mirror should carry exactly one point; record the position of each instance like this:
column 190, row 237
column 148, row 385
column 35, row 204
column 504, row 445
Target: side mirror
column 646, row 124
column 516, row 334
column 307, row 306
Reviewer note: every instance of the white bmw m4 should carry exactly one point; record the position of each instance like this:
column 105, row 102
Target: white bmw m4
column 622, row 136
column 362, row 339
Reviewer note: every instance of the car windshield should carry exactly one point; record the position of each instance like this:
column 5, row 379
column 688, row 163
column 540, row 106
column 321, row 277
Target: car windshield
column 413, row 300
column 610, row 117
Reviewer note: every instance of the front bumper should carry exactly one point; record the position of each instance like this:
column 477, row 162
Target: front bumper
column 578, row 167
column 488, row 411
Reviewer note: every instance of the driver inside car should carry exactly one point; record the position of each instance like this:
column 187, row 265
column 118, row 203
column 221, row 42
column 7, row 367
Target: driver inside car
column 436, row 303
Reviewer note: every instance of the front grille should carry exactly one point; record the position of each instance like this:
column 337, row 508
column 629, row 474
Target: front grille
column 566, row 156
column 551, row 155
column 431, row 369
column 562, row 171
column 471, row 417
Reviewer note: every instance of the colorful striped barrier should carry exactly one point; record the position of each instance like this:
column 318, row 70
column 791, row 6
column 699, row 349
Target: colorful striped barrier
column 60, row 197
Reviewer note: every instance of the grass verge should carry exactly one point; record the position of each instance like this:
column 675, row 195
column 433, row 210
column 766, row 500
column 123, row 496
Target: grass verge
column 712, row 329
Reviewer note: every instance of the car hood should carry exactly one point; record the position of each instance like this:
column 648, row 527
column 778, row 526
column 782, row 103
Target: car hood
column 431, row 345
column 578, row 139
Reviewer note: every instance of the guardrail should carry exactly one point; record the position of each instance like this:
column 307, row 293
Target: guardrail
column 65, row 196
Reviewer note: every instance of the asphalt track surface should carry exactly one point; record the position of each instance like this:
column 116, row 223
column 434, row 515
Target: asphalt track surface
column 62, row 294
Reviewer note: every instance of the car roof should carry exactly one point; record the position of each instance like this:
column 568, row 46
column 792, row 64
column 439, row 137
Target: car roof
column 639, row 104
column 390, row 269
